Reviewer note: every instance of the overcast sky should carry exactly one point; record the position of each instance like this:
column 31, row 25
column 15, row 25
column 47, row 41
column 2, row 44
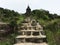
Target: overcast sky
column 20, row 5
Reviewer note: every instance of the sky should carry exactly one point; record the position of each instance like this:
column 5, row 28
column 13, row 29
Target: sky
column 53, row 6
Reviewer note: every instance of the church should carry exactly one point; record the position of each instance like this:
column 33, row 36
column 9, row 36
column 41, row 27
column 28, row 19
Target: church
column 30, row 30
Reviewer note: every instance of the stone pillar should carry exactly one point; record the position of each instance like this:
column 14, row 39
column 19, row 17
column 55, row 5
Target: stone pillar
column 23, row 33
column 24, row 40
column 39, row 33
column 31, row 33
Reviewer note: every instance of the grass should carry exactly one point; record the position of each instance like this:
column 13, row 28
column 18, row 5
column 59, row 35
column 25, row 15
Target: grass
column 6, row 42
column 50, row 38
column 9, row 40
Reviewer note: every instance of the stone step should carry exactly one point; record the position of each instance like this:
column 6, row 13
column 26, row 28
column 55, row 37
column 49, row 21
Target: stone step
column 31, row 44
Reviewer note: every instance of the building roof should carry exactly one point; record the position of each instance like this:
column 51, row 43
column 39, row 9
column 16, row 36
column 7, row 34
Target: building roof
column 28, row 7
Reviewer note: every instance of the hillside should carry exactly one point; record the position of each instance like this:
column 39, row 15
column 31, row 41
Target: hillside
column 7, row 15
column 50, row 22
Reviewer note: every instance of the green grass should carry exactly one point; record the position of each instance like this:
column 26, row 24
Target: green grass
column 6, row 42
column 9, row 40
column 50, row 38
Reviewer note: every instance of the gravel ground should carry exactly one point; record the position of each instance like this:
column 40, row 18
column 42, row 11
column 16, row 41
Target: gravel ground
column 31, row 44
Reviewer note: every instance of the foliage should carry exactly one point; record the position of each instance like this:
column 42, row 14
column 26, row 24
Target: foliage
column 53, row 32
column 50, row 37
column 14, row 19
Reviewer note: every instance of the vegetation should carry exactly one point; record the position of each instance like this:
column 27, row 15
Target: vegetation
column 14, row 19
column 50, row 22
